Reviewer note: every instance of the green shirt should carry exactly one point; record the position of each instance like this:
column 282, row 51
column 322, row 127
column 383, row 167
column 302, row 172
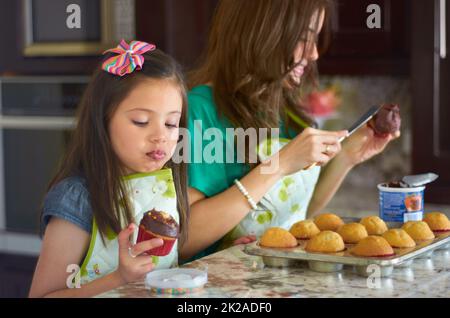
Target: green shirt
column 212, row 178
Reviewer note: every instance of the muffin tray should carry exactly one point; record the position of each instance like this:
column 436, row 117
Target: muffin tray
column 333, row 262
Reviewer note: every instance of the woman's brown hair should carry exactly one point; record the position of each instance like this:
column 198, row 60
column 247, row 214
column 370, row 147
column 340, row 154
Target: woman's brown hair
column 90, row 153
column 249, row 57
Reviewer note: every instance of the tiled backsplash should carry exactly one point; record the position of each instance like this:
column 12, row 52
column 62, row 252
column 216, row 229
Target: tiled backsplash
column 359, row 190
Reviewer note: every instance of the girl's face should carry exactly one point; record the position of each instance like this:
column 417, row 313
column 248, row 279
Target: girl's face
column 144, row 129
column 306, row 50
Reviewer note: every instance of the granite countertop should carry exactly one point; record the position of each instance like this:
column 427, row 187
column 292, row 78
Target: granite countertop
column 232, row 273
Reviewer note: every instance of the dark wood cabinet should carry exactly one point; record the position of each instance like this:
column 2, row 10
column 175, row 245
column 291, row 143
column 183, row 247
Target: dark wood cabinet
column 430, row 78
column 356, row 49
column 180, row 28
column 16, row 273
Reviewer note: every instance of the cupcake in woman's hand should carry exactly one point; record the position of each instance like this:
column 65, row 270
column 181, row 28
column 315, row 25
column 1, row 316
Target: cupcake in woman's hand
column 373, row 246
column 437, row 221
column 374, row 225
column 418, row 230
column 387, row 121
column 328, row 222
column 156, row 224
column 399, row 238
column 304, row 230
column 277, row 237
column 352, row 232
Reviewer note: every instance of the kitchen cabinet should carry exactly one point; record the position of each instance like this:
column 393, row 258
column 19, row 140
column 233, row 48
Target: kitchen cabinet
column 16, row 273
column 180, row 28
column 430, row 78
column 356, row 49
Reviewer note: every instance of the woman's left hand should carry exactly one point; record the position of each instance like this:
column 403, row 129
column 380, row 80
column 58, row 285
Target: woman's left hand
column 363, row 145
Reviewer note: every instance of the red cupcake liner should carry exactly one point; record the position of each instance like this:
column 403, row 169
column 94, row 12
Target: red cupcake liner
column 441, row 231
column 163, row 250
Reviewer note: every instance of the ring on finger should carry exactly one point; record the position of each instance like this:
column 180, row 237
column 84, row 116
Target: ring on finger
column 131, row 253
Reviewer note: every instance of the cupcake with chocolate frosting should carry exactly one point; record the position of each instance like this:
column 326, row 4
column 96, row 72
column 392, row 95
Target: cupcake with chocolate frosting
column 156, row 224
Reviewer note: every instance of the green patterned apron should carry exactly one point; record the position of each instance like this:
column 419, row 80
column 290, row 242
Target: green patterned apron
column 155, row 190
column 287, row 201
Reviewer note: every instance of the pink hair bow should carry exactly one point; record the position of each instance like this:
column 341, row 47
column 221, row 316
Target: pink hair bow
column 129, row 57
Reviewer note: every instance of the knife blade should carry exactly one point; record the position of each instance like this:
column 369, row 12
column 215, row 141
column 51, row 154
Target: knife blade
column 362, row 120
column 359, row 123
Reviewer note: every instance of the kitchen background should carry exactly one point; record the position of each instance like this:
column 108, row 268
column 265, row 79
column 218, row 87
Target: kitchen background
column 43, row 71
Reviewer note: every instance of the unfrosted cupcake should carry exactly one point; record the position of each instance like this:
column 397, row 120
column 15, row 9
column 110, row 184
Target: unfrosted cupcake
column 325, row 242
column 304, row 230
column 374, row 225
column 373, row 246
column 399, row 238
column 352, row 232
column 418, row 230
column 277, row 237
column 437, row 221
column 328, row 222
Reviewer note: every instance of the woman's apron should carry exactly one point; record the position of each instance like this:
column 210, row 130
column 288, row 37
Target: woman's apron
column 287, row 201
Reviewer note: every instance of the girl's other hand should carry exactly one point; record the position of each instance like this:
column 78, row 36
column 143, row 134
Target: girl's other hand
column 133, row 266
column 245, row 240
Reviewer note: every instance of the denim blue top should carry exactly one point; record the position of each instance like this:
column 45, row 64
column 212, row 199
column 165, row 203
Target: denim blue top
column 68, row 200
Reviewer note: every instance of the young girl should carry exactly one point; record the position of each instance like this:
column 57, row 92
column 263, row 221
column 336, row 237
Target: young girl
column 259, row 54
column 117, row 167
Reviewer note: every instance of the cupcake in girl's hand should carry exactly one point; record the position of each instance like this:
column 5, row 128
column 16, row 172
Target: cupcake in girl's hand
column 162, row 225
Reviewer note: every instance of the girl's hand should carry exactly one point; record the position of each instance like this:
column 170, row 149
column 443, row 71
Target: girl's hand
column 309, row 147
column 132, row 265
column 245, row 240
column 364, row 144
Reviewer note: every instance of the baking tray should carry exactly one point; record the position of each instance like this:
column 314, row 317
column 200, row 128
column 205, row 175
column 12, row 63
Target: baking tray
column 332, row 262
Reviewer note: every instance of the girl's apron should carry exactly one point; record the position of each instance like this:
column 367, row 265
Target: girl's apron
column 147, row 191
column 287, row 201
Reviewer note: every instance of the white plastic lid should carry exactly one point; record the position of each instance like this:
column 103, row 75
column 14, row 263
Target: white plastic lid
column 176, row 278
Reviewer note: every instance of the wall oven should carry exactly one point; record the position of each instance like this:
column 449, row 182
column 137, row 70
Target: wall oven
column 36, row 116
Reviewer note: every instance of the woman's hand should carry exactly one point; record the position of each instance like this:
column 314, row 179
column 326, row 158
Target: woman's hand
column 309, row 147
column 133, row 266
column 363, row 145
column 245, row 240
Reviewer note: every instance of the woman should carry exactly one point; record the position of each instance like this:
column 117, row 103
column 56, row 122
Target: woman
column 259, row 55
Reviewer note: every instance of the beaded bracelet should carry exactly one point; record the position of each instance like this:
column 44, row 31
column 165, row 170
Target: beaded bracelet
column 246, row 194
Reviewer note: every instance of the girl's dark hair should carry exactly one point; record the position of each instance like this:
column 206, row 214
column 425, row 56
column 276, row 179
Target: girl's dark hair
column 90, row 153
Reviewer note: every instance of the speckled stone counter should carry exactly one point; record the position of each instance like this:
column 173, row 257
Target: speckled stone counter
column 232, row 273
